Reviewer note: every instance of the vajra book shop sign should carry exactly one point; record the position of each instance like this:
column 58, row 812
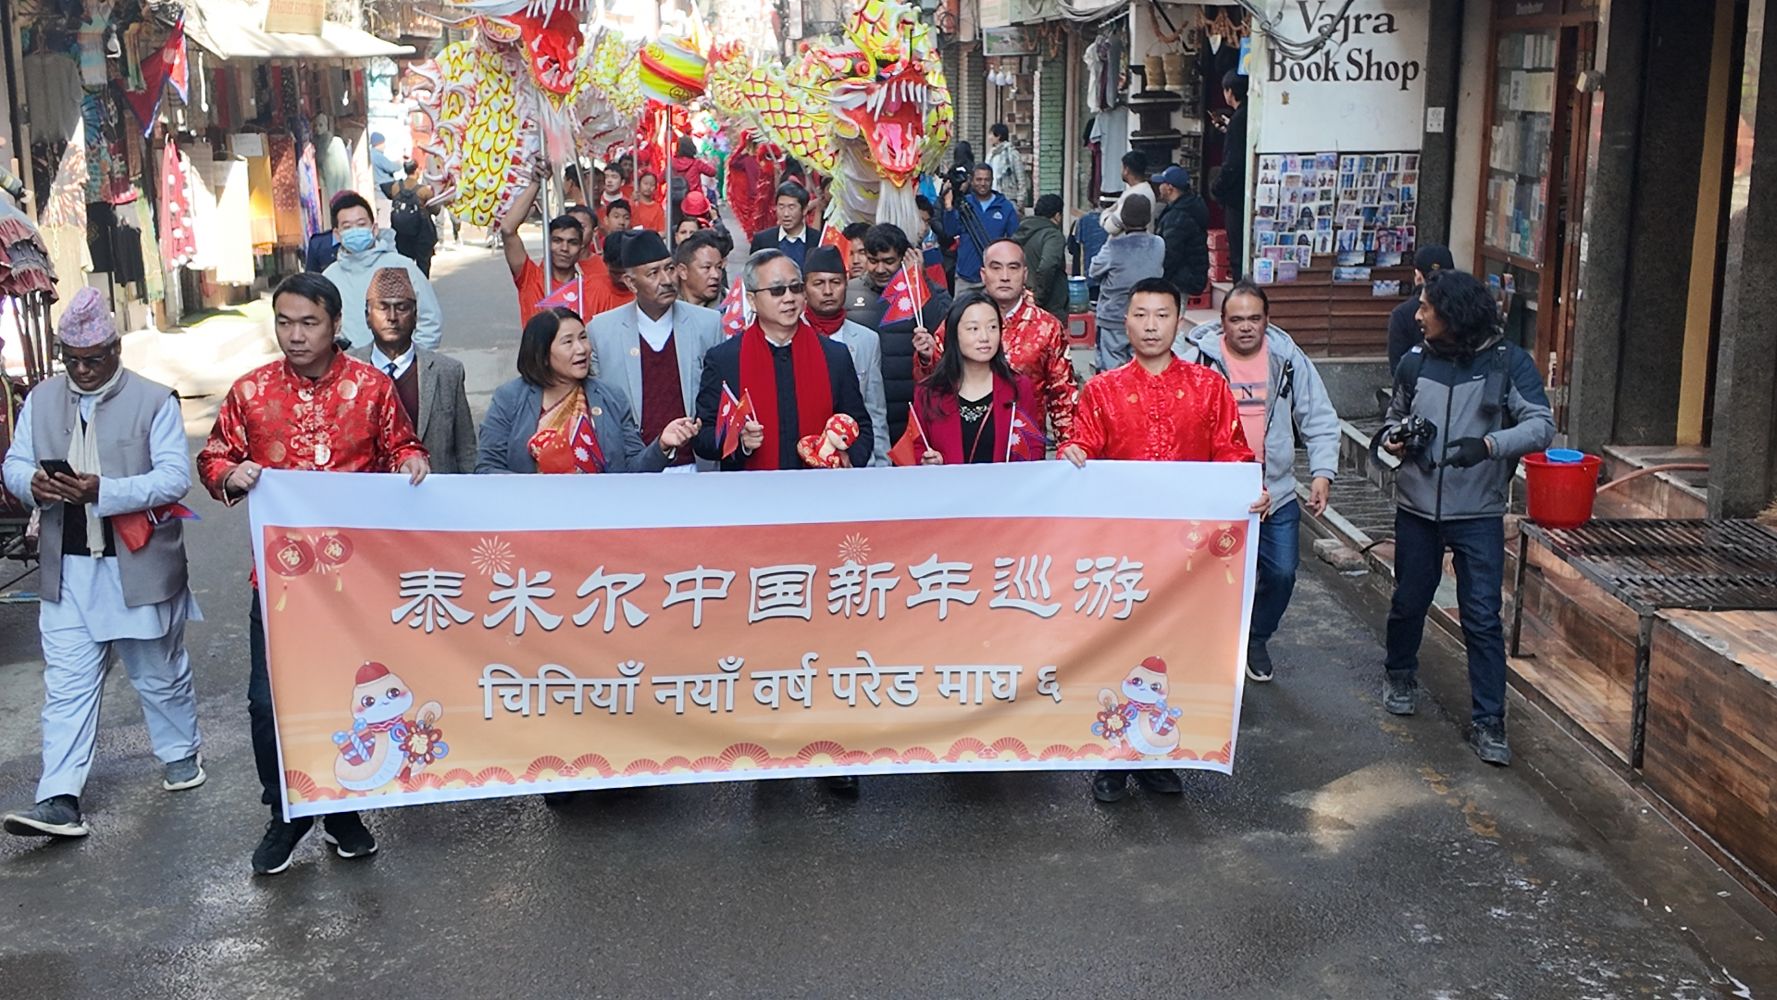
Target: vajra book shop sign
column 481, row 636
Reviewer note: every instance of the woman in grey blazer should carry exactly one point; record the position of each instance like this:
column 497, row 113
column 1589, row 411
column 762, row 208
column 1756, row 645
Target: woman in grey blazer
column 558, row 416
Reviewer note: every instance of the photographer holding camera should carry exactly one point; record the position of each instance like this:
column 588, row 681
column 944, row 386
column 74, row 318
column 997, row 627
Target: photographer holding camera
column 1467, row 405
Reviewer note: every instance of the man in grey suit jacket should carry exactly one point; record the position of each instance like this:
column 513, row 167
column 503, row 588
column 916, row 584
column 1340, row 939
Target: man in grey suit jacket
column 430, row 385
column 638, row 346
column 825, row 278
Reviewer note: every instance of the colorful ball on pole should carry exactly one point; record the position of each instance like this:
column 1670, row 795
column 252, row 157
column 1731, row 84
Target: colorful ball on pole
column 671, row 71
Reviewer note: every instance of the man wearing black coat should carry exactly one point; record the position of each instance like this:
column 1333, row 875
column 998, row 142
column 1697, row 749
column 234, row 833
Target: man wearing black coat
column 1230, row 185
column 1184, row 225
column 886, row 253
column 774, row 283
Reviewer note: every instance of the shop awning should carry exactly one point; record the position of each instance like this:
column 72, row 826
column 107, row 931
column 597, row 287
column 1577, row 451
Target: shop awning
column 230, row 29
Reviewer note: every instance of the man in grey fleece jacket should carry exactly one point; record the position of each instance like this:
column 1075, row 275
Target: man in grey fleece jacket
column 1291, row 401
column 1483, row 400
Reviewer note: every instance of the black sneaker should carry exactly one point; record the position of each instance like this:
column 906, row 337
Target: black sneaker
column 1487, row 738
column 273, row 853
column 844, row 786
column 1110, row 786
column 346, row 833
column 56, row 816
column 1160, row 782
column 1400, row 694
column 1258, row 663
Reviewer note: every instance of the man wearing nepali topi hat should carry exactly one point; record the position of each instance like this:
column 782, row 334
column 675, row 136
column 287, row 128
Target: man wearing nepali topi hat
column 100, row 451
column 430, row 385
column 653, row 347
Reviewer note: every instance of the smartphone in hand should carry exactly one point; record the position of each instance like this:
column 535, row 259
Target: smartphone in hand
column 55, row 466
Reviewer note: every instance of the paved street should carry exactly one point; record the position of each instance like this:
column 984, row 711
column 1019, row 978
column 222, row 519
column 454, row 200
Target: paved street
column 1352, row 854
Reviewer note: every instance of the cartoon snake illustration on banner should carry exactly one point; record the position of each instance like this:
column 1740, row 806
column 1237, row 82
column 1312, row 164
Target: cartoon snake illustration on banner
column 871, row 110
column 527, row 87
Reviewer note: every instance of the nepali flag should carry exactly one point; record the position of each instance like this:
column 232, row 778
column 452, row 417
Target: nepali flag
column 1025, row 442
column 737, row 315
column 731, row 418
column 832, row 237
column 906, row 297
column 567, row 295
column 912, row 446
column 588, row 456
column 135, row 528
column 166, row 65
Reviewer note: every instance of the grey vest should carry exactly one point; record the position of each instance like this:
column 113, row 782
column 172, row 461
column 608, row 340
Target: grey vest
column 125, row 415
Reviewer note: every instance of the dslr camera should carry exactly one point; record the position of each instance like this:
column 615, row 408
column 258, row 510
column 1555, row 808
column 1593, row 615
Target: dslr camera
column 1415, row 435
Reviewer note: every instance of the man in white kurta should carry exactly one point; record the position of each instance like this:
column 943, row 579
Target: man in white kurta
column 123, row 437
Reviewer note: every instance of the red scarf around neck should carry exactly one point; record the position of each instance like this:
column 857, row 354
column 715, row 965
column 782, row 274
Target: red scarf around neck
column 758, row 376
column 826, row 326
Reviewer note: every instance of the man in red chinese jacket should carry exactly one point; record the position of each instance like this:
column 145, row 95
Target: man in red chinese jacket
column 315, row 410
column 1035, row 341
column 1156, row 408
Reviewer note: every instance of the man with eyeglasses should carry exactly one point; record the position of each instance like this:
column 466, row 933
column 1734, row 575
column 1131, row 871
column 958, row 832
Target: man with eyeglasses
column 100, row 451
column 796, row 378
column 430, row 385
column 314, row 410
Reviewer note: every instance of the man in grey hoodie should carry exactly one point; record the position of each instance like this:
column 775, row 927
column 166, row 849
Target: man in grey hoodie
column 1281, row 397
column 364, row 250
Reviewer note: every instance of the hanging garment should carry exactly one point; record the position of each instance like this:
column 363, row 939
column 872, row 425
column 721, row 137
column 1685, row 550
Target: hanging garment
column 153, row 280
column 232, row 224
column 262, row 221
column 286, row 194
column 178, row 240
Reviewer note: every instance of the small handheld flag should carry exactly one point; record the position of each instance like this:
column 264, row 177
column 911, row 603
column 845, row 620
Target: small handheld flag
column 135, row 528
column 906, row 297
column 588, row 456
column 567, row 295
column 1025, row 442
column 911, row 448
column 737, row 315
column 731, row 419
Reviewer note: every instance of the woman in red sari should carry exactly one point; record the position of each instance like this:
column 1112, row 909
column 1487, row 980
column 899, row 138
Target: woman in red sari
column 558, row 416
column 974, row 408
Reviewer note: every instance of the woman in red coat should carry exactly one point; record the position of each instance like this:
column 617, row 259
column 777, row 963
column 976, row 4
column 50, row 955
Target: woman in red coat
column 974, row 408
column 743, row 185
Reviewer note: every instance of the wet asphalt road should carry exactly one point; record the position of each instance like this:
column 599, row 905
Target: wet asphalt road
column 1352, row 854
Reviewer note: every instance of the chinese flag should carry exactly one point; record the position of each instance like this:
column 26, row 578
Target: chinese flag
column 906, row 297
column 731, row 418
column 567, row 294
column 832, row 237
column 735, row 314
column 912, row 446
column 588, row 456
column 934, row 261
column 133, row 529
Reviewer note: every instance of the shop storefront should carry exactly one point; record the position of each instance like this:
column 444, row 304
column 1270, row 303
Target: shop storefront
column 1534, row 173
column 1332, row 189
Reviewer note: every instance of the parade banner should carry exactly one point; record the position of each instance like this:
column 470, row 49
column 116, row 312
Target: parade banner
column 481, row 636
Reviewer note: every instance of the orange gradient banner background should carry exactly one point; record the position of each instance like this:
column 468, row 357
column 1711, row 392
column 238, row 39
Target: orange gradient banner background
column 429, row 664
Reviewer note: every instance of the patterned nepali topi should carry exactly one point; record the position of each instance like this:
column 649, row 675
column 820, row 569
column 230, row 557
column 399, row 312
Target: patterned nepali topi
column 87, row 323
column 391, row 283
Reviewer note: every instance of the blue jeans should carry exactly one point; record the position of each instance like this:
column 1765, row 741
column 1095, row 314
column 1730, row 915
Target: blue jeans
column 1280, row 548
column 1478, row 544
column 1113, row 346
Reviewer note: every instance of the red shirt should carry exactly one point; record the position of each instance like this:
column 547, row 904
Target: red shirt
column 648, row 215
column 1184, row 414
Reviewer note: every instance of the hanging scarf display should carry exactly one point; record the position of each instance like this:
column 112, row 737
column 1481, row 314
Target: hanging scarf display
column 178, row 243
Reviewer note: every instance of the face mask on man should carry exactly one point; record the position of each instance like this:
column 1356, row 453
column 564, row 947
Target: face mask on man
column 357, row 240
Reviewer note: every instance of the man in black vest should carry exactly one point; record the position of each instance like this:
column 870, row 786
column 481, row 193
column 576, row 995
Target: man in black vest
column 101, row 452
column 887, row 253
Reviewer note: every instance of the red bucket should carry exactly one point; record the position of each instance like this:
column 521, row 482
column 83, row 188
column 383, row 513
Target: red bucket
column 1561, row 493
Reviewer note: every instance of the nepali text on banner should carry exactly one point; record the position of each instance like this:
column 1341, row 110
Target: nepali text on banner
column 480, row 636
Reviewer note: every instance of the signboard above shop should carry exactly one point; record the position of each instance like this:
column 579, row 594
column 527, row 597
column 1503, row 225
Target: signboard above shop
column 295, row 17
column 1363, row 90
